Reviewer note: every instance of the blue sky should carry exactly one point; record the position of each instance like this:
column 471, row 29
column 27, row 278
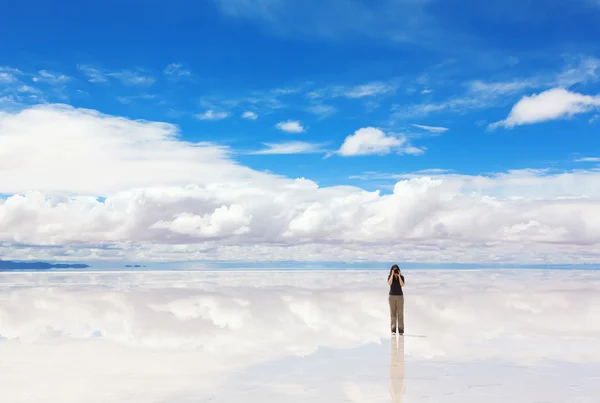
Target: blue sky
column 284, row 84
column 249, row 50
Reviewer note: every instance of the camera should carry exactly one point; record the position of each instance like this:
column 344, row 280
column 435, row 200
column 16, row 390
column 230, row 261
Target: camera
column 396, row 271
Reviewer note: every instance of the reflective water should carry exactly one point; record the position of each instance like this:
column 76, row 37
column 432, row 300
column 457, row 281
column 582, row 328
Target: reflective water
column 503, row 336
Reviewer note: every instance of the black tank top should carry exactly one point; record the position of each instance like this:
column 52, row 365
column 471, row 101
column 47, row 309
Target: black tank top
column 396, row 288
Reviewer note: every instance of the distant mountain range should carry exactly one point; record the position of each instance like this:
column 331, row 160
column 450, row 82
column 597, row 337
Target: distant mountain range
column 8, row 265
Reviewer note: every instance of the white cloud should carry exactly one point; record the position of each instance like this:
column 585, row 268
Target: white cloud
column 286, row 90
column 223, row 221
column 176, row 71
column 103, row 147
column 211, row 114
column 370, row 140
column 167, row 199
column 290, row 126
column 432, row 129
column 585, row 70
column 588, row 159
column 552, row 104
column 249, row 115
column 481, row 94
column 127, row 77
column 93, row 74
column 322, row 110
column 371, row 175
column 292, row 147
column 368, row 90
column 27, row 88
column 411, row 150
column 501, row 88
column 11, row 70
column 44, row 76
column 7, row 77
column 388, row 20
column 315, row 94
column 131, row 98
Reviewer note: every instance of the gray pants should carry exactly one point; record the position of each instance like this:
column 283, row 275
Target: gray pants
column 396, row 313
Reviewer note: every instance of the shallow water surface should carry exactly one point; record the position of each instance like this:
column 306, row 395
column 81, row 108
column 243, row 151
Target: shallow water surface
column 299, row 336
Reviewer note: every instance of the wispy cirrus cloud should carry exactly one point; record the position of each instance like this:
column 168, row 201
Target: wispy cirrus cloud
column 212, row 114
column 45, row 76
column 176, row 71
column 130, row 77
column 391, row 20
column 126, row 77
column 291, row 147
column 358, row 91
column 15, row 92
column 588, row 159
column 7, row 77
column 481, row 94
column 366, row 90
column 373, row 175
column 322, row 110
column 132, row 98
column 432, row 129
column 94, row 75
column 290, row 126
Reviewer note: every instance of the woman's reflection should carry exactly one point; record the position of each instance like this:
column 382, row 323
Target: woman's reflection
column 397, row 369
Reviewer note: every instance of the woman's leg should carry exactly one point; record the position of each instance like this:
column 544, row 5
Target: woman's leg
column 400, row 312
column 393, row 313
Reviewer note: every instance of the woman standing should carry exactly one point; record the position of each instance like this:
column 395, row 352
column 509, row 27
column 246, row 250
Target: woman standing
column 396, row 299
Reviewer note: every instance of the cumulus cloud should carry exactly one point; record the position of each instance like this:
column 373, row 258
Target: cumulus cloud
column 250, row 115
column 111, row 154
column 290, row 147
column 371, row 140
column 225, row 220
column 290, row 126
column 164, row 198
column 211, row 114
column 552, row 104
